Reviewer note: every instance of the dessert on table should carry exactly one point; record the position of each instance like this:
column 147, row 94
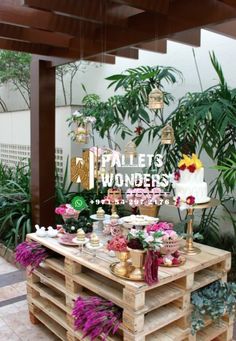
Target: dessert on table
column 189, row 180
column 100, row 213
column 80, row 235
column 94, row 240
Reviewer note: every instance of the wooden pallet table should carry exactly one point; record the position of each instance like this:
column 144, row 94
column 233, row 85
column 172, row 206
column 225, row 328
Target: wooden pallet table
column 150, row 313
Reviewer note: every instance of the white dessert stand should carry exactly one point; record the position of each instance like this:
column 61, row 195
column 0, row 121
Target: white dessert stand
column 93, row 249
column 139, row 225
column 100, row 222
column 80, row 243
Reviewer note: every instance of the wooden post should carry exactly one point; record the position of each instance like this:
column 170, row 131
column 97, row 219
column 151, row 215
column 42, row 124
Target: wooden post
column 42, row 141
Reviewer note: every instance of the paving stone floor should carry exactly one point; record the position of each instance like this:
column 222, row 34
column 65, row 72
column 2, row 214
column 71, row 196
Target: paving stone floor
column 14, row 318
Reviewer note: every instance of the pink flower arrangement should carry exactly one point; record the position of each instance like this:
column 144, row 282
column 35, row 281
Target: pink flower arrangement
column 169, row 235
column 118, row 243
column 65, row 209
column 30, row 254
column 160, row 226
column 96, row 317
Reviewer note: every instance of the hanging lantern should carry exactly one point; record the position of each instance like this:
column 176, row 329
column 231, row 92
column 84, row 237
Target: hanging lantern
column 167, row 135
column 130, row 149
column 82, row 133
column 156, row 99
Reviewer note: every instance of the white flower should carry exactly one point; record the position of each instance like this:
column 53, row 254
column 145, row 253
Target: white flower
column 133, row 232
column 72, row 228
column 77, row 114
column 149, row 239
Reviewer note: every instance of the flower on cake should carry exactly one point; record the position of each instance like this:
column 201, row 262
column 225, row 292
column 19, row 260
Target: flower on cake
column 185, row 204
column 191, row 163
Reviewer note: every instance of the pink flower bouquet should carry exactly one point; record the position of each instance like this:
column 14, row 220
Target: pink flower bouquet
column 117, row 244
column 160, row 226
column 67, row 211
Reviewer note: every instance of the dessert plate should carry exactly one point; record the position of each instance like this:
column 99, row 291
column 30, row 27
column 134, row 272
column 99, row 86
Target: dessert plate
column 67, row 240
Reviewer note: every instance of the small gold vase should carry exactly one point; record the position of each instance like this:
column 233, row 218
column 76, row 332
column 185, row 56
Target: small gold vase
column 122, row 268
column 138, row 260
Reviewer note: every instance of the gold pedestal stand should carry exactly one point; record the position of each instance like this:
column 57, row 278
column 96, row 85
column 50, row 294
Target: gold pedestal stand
column 189, row 248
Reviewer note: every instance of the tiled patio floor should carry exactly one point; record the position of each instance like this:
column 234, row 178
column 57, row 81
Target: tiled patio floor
column 14, row 318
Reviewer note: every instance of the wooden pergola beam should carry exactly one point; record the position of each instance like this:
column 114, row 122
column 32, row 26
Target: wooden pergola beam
column 127, row 52
column 92, row 10
column 160, row 6
column 35, row 36
column 159, row 46
column 46, row 50
column 227, row 29
column 189, row 37
column 42, row 142
column 183, row 15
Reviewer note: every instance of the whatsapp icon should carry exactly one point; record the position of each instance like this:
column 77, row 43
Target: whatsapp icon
column 78, row 203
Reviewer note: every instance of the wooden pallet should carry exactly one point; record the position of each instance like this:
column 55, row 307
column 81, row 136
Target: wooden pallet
column 152, row 313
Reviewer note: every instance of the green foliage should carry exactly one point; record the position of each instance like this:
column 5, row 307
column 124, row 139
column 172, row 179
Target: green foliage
column 83, row 222
column 15, row 206
column 227, row 175
column 136, row 83
column 15, row 69
column 212, row 301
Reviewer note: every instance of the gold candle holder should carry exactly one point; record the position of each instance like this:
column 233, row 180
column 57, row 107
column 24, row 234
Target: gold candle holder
column 189, row 248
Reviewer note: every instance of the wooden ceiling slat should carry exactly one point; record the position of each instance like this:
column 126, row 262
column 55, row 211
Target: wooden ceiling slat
column 39, row 19
column 190, row 37
column 183, row 15
column 126, row 53
column 33, row 35
column 160, row 6
column 92, row 10
column 227, row 29
column 106, row 59
column 93, row 38
column 159, row 46
column 46, row 50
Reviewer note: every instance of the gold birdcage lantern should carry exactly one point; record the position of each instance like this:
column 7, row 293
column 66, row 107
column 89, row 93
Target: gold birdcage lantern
column 82, row 133
column 156, row 99
column 130, row 149
column 167, row 135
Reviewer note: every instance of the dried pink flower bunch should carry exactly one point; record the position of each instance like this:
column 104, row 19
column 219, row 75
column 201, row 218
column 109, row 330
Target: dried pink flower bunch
column 96, row 317
column 30, row 254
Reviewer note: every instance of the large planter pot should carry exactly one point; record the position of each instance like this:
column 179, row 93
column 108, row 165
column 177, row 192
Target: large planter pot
column 122, row 268
column 151, row 211
column 170, row 246
column 138, row 261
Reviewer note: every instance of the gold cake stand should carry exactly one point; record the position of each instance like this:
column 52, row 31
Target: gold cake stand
column 189, row 248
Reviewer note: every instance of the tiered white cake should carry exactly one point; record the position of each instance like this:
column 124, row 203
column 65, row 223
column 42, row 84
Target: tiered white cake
column 190, row 180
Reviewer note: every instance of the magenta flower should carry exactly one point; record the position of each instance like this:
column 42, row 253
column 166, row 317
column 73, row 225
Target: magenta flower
column 30, row 254
column 95, row 317
column 190, row 200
